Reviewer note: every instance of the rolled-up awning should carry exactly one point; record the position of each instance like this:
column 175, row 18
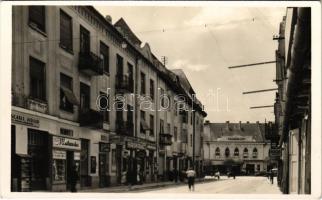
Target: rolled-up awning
column 70, row 96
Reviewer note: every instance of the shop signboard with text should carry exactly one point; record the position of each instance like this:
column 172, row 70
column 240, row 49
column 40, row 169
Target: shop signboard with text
column 66, row 143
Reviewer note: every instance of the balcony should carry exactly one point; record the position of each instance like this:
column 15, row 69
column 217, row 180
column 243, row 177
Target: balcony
column 165, row 139
column 90, row 64
column 24, row 101
column 91, row 118
column 123, row 84
column 124, row 128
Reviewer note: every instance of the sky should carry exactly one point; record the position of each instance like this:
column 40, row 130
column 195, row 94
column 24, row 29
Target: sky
column 204, row 42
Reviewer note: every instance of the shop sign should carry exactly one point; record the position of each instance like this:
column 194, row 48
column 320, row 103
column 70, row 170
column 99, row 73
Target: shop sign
column 66, row 143
column 25, row 120
column 61, row 155
column 104, row 147
column 76, row 155
column 134, row 145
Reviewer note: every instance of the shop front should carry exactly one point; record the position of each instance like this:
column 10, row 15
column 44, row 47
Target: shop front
column 65, row 158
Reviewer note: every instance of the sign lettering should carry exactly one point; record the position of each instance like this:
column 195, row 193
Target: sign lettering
column 66, row 143
column 25, row 120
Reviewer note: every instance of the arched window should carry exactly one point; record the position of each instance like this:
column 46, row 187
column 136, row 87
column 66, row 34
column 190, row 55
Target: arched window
column 255, row 153
column 217, row 152
column 227, row 152
column 245, row 154
column 236, row 152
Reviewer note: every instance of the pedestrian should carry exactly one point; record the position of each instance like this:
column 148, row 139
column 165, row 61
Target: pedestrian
column 191, row 178
column 73, row 178
column 272, row 177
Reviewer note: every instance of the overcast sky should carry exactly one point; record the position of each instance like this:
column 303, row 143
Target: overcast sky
column 204, row 41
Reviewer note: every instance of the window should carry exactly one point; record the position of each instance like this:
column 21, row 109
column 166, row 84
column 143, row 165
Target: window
column 161, row 126
column 169, row 128
column 104, row 107
column 142, row 83
column 245, row 154
column 84, row 97
column 85, row 44
column 151, row 125
column 151, row 89
column 66, row 88
column 236, row 152
column 37, row 17
column 227, row 152
column 104, row 51
column 142, row 115
column 131, row 80
column 191, row 140
column 255, row 153
column 184, row 136
column 37, row 79
column 175, row 133
column 66, row 31
column 217, row 152
column 162, row 97
column 129, row 113
column 119, row 65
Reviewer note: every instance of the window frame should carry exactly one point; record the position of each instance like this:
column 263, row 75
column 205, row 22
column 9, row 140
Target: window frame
column 68, row 106
column 40, row 27
column 38, row 93
column 62, row 41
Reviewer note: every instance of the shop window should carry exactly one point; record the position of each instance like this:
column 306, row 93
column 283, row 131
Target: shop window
column 37, row 17
column 37, row 79
column 66, row 32
column 142, row 83
column 85, row 45
column 104, row 51
column 59, row 170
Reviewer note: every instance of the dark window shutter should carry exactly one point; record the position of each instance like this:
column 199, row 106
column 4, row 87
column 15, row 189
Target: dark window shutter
column 37, row 17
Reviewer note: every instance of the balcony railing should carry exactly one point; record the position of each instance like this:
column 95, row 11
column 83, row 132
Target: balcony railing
column 24, row 101
column 123, row 84
column 165, row 139
column 124, row 128
column 90, row 64
column 91, row 118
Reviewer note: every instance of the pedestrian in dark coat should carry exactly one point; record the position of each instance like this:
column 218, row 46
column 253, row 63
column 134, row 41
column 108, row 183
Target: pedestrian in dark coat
column 272, row 177
column 73, row 179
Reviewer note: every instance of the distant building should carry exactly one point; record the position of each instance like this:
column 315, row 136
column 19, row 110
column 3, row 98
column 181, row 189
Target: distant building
column 241, row 147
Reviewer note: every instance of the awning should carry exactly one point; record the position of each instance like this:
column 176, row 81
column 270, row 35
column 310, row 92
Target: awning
column 144, row 125
column 70, row 96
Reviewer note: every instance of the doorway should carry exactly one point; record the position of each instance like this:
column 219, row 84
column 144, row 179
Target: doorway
column 70, row 164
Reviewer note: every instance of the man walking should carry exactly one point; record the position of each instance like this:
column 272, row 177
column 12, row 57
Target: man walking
column 191, row 178
column 272, row 176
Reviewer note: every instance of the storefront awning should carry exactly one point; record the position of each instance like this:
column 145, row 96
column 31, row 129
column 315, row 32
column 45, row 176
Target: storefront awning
column 70, row 96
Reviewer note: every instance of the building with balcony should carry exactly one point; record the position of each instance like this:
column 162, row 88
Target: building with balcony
column 238, row 147
column 79, row 86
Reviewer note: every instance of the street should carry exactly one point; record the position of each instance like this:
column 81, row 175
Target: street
column 240, row 185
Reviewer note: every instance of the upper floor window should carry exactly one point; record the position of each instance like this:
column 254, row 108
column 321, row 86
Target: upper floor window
column 217, row 152
column 66, row 94
column 191, row 140
column 103, row 101
column 151, row 89
column 161, row 126
column 37, row 79
column 66, row 32
column 236, row 152
column 142, row 83
column 245, row 153
column 151, row 125
column 169, row 128
column 104, row 51
column 162, row 95
column 255, row 153
column 227, row 152
column 37, row 17
column 85, row 42
column 84, row 97
column 175, row 133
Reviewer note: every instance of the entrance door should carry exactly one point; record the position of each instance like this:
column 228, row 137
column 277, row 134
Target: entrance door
column 38, row 150
column 250, row 169
column 118, row 156
column 103, row 169
column 70, row 164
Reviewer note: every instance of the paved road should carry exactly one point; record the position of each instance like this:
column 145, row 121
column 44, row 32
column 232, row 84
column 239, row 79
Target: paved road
column 240, row 185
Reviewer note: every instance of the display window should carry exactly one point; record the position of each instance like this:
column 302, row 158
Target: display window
column 59, row 166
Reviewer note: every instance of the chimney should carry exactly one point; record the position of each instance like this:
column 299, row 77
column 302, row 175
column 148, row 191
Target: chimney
column 108, row 18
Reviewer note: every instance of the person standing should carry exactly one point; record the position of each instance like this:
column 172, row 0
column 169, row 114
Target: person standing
column 191, row 179
column 272, row 177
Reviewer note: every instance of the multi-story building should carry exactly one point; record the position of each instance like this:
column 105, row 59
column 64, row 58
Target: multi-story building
column 86, row 94
column 293, row 101
column 241, row 147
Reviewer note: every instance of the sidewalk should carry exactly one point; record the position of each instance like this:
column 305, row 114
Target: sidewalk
column 124, row 188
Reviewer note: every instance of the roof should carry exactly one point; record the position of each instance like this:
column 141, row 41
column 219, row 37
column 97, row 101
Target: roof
column 183, row 80
column 255, row 131
column 127, row 32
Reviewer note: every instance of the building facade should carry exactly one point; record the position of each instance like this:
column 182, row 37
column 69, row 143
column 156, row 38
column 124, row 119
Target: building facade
column 86, row 94
column 238, row 147
column 293, row 101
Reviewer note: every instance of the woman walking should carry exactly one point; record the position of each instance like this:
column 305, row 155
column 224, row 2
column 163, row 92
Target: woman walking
column 191, row 179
